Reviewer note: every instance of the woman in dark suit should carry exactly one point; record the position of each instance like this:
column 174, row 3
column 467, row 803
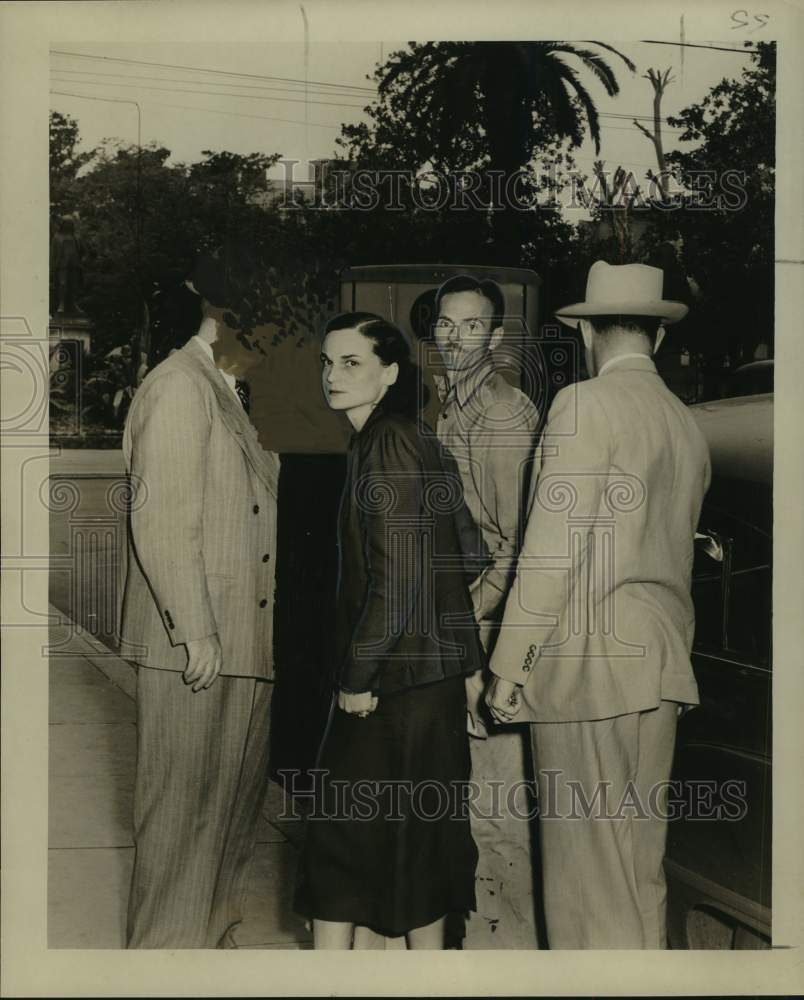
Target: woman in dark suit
column 391, row 848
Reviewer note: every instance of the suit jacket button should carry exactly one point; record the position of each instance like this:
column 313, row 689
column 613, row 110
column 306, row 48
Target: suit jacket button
column 266, row 557
column 256, row 508
column 263, row 603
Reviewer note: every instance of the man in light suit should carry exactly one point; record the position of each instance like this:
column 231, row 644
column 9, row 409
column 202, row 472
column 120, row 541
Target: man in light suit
column 197, row 618
column 597, row 630
column 487, row 428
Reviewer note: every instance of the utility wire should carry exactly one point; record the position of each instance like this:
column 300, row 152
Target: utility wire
column 239, row 114
column 693, row 45
column 277, row 90
column 111, row 100
column 212, row 93
column 203, row 69
column 268, row 118
column 289, row 121
column 622, row 128
column 96, row 83
column 189, row 107
column 203, row 83
column 622, row 115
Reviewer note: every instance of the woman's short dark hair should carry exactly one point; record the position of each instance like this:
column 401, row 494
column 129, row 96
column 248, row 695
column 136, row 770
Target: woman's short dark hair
column 408, row 394
column 489, row 289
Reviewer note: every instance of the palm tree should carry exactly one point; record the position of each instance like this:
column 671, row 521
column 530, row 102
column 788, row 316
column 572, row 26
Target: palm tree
column 513, row 90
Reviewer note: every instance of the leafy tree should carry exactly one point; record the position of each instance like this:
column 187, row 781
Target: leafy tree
column 727, row 236
column 485, row 106
column 143, row 221
column 505, row 88
column 65, row 163
column 714, row 237
column 239, row 175
column 132, row 225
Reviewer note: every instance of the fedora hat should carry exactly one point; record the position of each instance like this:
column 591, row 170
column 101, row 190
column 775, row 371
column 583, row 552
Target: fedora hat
column 623, row 290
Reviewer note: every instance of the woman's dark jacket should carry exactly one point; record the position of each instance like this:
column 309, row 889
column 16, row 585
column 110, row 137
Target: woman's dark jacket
column 404, row 616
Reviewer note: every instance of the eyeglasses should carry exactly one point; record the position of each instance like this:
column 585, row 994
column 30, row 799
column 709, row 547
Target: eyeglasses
column 474, row 324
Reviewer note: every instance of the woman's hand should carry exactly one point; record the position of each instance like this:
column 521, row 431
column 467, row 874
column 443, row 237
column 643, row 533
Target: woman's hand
column 475, row 686
column 362, row 704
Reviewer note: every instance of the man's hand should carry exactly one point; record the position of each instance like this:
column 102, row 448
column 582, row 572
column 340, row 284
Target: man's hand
column 362, row 704
column 204, row 662
column 503, row 699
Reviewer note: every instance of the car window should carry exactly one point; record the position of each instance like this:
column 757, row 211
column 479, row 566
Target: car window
column 707, row 586
column 732, row 575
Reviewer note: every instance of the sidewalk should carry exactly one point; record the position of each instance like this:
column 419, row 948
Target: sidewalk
column 92, row 760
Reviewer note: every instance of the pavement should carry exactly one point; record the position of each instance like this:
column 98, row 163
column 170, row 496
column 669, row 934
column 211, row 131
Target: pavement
column 92, row 746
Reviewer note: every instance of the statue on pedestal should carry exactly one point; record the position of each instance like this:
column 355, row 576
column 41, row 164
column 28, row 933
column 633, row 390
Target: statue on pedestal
column 65, row 267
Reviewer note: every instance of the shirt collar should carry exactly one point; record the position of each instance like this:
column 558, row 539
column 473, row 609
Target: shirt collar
column 624, row 357
column 464, row 388
column 207, row 347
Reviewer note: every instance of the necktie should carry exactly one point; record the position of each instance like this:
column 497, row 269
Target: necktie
column 243, row 390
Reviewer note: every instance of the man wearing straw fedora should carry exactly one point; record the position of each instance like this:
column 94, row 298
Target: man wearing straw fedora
column 597, row 630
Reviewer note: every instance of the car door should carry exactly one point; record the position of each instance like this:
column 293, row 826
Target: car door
column 721, row 844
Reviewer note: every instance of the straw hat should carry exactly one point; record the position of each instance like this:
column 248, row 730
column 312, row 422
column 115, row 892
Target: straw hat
column 623, row 289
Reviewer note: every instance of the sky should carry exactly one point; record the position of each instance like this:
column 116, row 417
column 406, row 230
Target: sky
column 253, row 97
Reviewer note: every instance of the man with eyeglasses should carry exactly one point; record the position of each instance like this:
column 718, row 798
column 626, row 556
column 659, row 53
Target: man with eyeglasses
column 488, row 427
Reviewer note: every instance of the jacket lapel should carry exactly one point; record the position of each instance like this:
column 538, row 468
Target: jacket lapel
column 265, row 463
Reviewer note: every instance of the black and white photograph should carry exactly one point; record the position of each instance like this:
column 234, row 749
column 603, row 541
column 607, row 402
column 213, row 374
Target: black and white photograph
column 400, row 527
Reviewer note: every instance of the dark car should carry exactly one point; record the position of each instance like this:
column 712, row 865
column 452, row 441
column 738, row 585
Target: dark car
column 718, row 861
column 752, row 379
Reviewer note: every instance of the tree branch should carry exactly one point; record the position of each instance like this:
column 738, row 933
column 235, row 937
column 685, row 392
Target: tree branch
column 642, row 129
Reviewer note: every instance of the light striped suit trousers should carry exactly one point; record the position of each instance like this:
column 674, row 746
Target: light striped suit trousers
column 202, row 765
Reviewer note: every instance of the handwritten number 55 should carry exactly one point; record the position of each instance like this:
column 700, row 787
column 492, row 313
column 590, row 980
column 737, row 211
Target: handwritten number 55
column 742, row 20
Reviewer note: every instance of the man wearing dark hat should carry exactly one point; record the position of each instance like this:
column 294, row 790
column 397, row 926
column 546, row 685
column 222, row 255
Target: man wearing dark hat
column 197, row 618
column 597, row 630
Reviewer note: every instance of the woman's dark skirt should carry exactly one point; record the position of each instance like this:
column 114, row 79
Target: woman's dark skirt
column 390, row 847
